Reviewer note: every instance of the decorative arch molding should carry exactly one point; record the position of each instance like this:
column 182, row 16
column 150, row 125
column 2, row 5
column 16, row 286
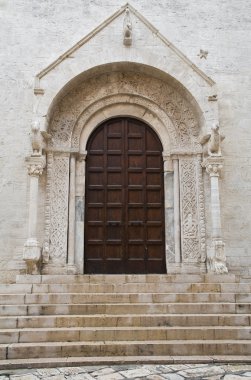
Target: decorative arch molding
column 158, row 97
column 123, row 105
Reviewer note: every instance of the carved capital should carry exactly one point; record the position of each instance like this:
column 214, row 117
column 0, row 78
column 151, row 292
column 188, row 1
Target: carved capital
column 82, row 156
column 35, row 165
column 213, row 166
column 168, row 163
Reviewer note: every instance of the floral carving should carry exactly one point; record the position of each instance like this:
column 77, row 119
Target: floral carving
column 59, row 207
column 81, row 101
column 35, row 170
column 189, row 210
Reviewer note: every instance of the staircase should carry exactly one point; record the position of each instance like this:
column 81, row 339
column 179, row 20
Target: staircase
column 95, row 319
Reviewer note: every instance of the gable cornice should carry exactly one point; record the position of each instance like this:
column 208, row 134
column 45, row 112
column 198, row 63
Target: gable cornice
column 105, row 23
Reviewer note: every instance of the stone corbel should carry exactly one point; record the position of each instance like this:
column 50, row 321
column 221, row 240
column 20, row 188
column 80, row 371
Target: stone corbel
column 32, row 249
column 216, row 254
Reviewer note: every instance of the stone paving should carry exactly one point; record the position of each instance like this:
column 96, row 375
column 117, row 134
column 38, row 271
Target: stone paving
column 135, row 372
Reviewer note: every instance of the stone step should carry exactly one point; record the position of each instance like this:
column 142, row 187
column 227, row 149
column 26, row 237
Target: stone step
column 140, row 288
column 122, row 348
column 97, row 298
column 129, row 333
column 126, row 308
column 130, row 278
column 121, row 360
column 15, row 288
column 100, row 298
column 136, row 320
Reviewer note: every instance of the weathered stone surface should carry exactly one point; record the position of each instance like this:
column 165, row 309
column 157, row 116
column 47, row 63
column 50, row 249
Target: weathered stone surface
column 27, row 376
column 139, row 372
column 173, row 376
column 110, row 376
column 48, row 371
column 234, row 377
column 81, row 376
column 202, row 371
column 67, row 371
column 103, row 371
column 57, row 377
column 155, row 377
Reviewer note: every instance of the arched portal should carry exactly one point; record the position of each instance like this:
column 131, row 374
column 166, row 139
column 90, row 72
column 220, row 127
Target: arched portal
column 124, row 199
column 127, row 93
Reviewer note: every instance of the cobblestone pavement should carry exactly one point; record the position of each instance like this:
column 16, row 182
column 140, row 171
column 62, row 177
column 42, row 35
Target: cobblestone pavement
column 135, row 372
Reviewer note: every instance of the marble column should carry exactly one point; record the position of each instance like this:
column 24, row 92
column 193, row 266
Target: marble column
column 169, row 211
column 80, row 210
column 216, row 256
column 32, row 249
column 71, row 268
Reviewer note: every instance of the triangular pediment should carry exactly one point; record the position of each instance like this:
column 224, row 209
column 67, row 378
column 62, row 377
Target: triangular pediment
column 141, row 21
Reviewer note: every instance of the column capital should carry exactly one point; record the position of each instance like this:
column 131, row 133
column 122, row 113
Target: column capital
column 168, row 163
column 35, row 165
column 82, row 156
column 213, row 165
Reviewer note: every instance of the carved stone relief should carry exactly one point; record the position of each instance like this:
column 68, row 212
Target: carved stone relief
column 59, row 208
column 189, row 210
column 78, row 101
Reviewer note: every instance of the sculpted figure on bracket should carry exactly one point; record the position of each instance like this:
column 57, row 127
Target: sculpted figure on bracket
column 127, row 29
column 36, row 139
column 214, row 140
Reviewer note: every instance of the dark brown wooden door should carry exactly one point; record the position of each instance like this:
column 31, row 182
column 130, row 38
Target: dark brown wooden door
column 124, row 209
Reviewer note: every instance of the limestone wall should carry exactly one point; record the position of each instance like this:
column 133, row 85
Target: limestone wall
column 34, row 33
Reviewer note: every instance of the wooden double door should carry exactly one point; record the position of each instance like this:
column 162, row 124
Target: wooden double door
column 124, row 207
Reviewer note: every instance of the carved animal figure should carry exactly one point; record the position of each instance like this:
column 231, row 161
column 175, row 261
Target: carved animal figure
column 214, row 140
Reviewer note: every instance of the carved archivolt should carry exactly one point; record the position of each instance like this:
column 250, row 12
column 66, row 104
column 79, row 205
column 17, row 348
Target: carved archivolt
column 84, row 99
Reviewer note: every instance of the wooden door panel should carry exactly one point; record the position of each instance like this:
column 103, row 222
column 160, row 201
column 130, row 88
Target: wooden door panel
column 136, row 251
column 124, row 211
column 135, row 178
column 136, row 213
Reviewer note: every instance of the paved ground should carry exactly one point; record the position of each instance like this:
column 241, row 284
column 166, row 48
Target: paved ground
column 135, row 372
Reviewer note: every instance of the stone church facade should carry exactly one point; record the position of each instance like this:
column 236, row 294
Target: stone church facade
column 133, row 141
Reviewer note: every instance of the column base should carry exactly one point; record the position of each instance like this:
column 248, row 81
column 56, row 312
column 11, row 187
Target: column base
column 32, row 256
column 186, row 268
column 216, row 258
column 71, row 269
